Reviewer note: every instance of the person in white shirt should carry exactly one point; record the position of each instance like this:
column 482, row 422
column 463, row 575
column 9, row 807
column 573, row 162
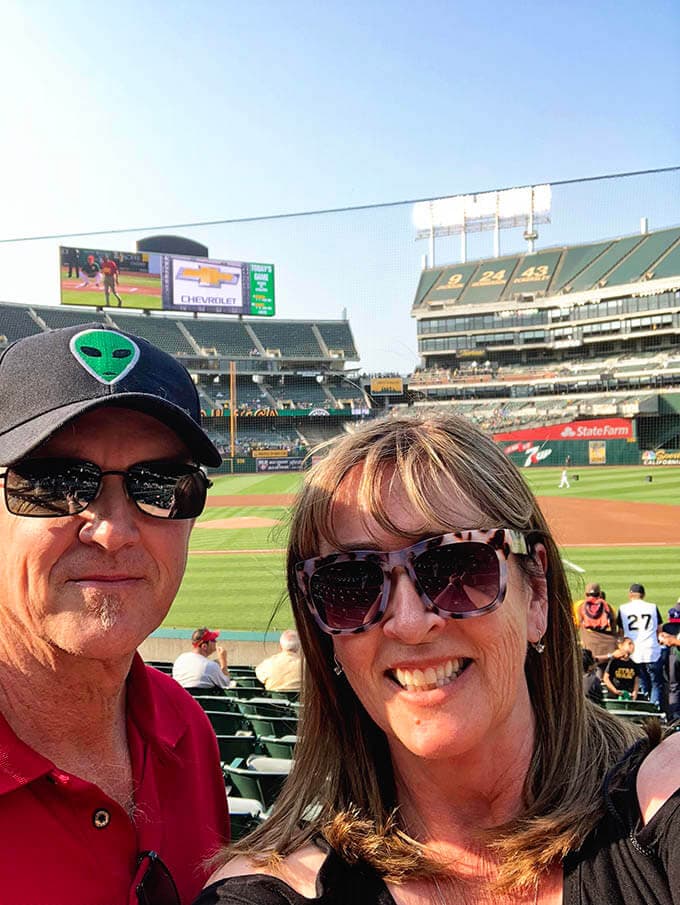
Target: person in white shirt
column 195, row 671
column 283, row 671
column 641, row 620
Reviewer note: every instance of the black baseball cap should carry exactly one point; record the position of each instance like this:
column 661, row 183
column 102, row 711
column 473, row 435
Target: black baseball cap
column 637, row 589
column 48, row 379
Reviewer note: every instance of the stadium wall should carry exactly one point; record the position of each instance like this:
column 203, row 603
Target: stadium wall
column 605, row 441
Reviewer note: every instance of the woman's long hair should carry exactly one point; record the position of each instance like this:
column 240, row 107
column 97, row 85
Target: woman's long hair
column 342, row 785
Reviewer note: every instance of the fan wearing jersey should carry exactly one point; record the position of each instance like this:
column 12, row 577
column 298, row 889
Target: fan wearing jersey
column 641, row 620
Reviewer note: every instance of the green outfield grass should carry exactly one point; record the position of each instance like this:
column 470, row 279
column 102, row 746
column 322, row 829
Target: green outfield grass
column 240, row 591
column 624, row 483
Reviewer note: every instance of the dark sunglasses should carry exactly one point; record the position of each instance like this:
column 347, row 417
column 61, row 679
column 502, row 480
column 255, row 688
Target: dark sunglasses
column 458, row 575
column 49, row 488
column 156, row 886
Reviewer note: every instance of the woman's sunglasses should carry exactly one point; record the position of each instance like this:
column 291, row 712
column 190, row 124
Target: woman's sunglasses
column 49, row 488
column 459, row 575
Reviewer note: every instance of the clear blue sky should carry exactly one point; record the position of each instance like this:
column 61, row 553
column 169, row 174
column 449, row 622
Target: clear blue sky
column 128, row 114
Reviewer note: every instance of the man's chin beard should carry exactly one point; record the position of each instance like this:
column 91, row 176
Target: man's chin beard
column 107, row 609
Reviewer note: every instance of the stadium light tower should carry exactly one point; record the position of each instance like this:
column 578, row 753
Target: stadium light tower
column 462, row 214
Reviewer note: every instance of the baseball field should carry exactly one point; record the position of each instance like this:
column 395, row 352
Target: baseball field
column 617, row 525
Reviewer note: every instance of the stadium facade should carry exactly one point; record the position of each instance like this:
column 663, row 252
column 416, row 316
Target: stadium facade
column 556, row 336
column 563, row 354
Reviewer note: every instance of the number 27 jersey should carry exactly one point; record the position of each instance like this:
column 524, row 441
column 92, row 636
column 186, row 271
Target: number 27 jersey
column 640, row 621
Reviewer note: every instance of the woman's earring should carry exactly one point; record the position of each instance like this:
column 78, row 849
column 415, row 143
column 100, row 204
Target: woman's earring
column 337, row 669
column 538, row 646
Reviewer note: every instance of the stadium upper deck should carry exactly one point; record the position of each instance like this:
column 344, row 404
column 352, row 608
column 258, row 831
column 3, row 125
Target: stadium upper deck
column 203, row 341
column 557, row 304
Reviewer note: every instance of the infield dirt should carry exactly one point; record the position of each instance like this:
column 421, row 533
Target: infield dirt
column 574, row 522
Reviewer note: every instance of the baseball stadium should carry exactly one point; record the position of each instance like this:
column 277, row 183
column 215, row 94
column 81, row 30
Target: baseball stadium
column 568, row 355
column 564, row 350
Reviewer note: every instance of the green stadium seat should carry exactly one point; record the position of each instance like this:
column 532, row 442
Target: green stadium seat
column 641, row 706
column 245, row 692
column 290, row 696
column 227, row 723
column 273, row 725
column 243, row 681
column 217, row 704
column 264, row 707
column 279, row 747
column 245, row 815
column 255, row 778
column 232, row 746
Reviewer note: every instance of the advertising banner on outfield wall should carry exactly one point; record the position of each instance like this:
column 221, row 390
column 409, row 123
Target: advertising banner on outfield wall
column 604, row 441
column 661, row 457
column 271, row 465
column 597, row 429
column 120, row 279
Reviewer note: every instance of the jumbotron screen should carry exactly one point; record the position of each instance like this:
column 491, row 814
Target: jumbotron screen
column 121, row 279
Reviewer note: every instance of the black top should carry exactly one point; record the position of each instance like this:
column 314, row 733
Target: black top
column 622, row 673
column 622, row 862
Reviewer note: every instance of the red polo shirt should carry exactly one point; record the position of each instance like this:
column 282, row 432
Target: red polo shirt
column 64, row 842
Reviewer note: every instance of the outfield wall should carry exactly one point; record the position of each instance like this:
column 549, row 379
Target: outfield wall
column 605, row 441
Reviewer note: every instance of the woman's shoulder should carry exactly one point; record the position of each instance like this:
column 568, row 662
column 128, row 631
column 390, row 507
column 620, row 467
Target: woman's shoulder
column 315, row 873
column 298, row 872
column 659, row 776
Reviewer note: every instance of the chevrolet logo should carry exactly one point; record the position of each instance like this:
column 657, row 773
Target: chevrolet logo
column 207, row 276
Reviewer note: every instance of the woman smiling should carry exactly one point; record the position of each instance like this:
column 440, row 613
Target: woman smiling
column 448, row 754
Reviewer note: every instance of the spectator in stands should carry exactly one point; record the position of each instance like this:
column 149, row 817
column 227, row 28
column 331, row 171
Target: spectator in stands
column 670, row 638
column 107, row 766
column 641, row 621
column 592, row 686
column 283, row 671
column 195, row 671
column 622, row 673
column 448, row 752
column 596, row 622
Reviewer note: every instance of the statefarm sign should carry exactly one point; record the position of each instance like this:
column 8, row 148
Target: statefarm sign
column 598, row 429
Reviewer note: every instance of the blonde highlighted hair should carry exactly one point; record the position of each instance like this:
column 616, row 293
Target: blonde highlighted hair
column 342, row 786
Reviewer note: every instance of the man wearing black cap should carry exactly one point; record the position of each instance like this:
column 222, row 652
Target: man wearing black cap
column 195, row 671
column 670, row 638
column 641, row 620
column 110, row 787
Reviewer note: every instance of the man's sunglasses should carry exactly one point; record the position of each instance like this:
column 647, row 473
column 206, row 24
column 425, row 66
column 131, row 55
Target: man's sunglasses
column 50, row 488
column 459, row 575
column 156, row 887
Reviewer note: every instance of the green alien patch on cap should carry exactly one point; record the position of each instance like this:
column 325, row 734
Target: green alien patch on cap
column 106, row 355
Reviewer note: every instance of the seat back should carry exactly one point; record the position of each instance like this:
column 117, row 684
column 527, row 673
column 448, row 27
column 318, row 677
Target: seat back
column 264, row 786
column 217, row 705
column 263, row 707
column 245, row 815
column 279, row 747
column 234, row 746
column 244, row 681
column 273, row 725
column 227, row 723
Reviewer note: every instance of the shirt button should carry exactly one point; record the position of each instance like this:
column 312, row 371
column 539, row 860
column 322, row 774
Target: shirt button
column 101, row 819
